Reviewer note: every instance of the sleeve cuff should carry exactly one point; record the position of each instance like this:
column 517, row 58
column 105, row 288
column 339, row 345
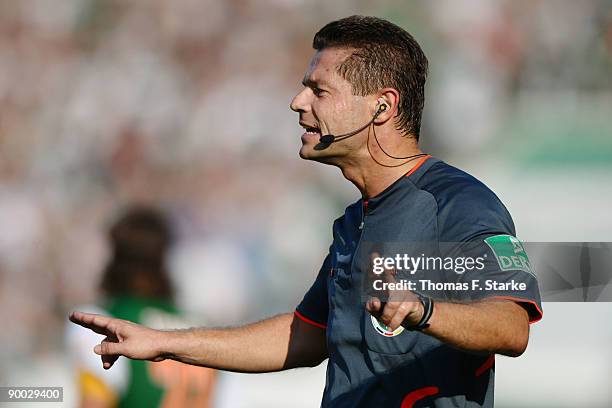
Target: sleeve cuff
column 309, row 321
column 533, row 309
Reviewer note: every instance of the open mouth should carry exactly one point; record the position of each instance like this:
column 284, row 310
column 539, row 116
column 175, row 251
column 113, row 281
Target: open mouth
column 312, row 130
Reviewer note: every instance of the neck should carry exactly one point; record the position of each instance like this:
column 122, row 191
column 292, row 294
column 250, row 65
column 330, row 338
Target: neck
column 370, row 177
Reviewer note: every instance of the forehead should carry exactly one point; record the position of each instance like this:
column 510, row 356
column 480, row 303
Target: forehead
column 323, row 65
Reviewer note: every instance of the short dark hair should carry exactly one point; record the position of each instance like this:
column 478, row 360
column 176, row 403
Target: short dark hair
column 384, row 55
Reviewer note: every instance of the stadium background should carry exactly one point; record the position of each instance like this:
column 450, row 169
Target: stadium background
column 184, row 105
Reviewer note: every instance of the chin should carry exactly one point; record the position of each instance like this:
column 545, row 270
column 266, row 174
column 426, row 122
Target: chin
column 312, row 153
column 308, row 153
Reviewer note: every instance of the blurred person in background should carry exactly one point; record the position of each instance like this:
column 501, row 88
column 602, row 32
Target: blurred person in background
column 137, row 286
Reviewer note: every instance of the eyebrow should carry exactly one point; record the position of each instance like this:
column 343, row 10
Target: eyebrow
column 310, row 83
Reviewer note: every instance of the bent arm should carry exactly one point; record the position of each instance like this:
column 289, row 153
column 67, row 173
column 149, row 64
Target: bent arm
column 488, row 326
column 496, row 326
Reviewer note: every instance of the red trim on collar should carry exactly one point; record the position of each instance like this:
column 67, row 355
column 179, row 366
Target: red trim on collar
column 419, row 164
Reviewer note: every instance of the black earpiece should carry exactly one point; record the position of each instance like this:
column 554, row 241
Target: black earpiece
column 382, row 106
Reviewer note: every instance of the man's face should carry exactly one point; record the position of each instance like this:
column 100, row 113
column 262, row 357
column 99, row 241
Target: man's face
column 327, row 106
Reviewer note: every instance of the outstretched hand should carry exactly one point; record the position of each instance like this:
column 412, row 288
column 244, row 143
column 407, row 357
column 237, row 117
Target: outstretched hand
column 123, row 338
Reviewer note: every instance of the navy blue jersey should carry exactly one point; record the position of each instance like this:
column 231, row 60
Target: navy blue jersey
column 370, row 366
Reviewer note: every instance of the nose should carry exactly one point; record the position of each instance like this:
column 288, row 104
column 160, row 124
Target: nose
column 300, row 102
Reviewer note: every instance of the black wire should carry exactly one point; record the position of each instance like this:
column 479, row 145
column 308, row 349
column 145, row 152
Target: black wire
column 367, row 125
column 410, row 158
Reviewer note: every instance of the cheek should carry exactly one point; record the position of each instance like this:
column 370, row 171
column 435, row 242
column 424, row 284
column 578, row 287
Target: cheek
column 339, row 110
column 337, row 113
column 344, row 105
column 325, row 109
column 350, row 113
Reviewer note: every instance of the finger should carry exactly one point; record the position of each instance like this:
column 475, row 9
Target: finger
column 388, row 272
column 108, row 361
column 373, row 305
column 82, row 318
column 110, row 348
column 85, row 320
column 98, row 323
column 388, row 312
column 400, row 295
column 389, row 275
column 403, row 310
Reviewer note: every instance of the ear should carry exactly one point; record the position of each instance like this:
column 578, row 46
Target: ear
column 386, row 103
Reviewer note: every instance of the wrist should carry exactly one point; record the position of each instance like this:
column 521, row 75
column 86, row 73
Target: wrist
column 420, row 319
column 415, row 316
column 166, row 344
column 421, row 312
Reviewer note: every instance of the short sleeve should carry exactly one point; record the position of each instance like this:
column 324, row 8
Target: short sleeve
column 314, row 307
column 502, row 271
column 476, row 223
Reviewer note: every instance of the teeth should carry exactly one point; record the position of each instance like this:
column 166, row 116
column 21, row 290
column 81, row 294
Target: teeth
column 311, row 130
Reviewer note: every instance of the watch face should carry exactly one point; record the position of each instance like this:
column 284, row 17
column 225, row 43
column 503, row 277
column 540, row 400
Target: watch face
column 383, row 329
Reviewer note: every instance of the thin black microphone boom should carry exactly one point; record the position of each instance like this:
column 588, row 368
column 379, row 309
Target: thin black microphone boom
column 329, row 139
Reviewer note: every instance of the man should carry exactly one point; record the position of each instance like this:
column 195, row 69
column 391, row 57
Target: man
column 365, row 84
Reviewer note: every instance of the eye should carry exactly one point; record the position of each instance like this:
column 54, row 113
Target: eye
column 317, row 91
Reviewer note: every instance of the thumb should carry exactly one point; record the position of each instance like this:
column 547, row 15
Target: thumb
column 108, row 348
column 373, row 305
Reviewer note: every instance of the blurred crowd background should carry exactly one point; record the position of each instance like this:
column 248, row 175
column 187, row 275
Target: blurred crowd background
column 184, row 105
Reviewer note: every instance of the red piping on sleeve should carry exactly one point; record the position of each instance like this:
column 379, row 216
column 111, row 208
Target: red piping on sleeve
column 522, row 300
column 309, row 321
column 489, row 362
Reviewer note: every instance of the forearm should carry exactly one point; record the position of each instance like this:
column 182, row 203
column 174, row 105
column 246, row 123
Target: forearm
column 490, row 327
column 270, row 345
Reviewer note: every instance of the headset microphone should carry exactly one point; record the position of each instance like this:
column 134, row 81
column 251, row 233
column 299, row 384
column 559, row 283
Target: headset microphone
column 329, row 139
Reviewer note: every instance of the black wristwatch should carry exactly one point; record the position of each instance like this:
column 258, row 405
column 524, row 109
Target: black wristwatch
column 428, row 306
